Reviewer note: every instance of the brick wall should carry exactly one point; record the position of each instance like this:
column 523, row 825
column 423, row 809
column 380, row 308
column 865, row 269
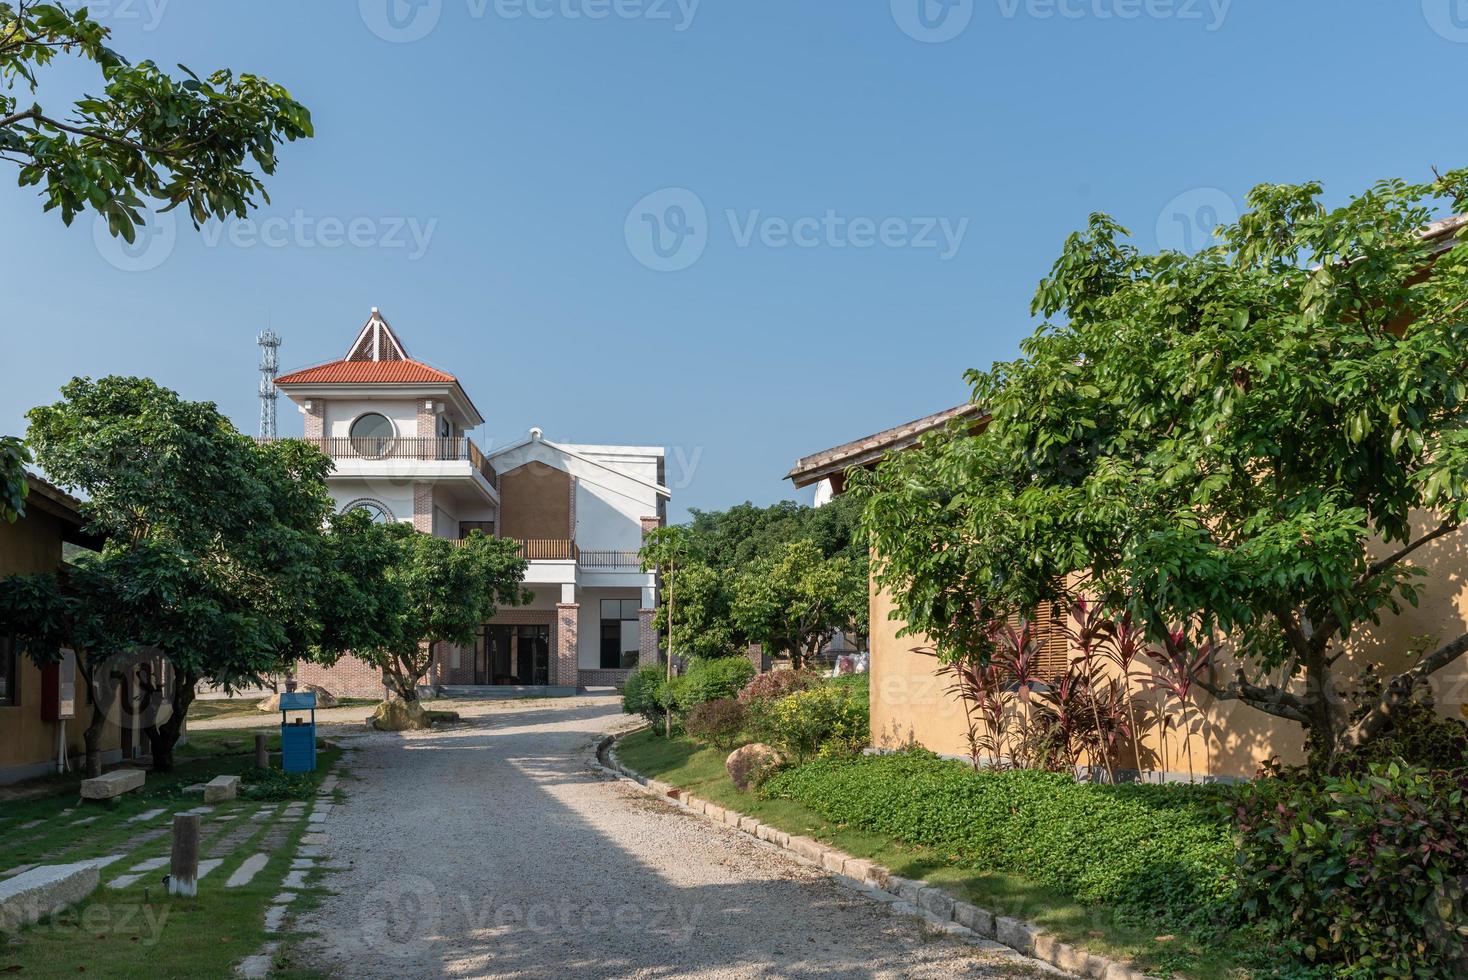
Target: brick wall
column 650, row 524
column 315, row 414
column 427, row 428
column 349, row 677
column 603, row 677
column 648, row 635
column 564, row 670
column 423, row 507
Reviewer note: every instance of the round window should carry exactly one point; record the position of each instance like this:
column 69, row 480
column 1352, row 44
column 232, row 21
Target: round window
column 372, row 436
column 375, row 509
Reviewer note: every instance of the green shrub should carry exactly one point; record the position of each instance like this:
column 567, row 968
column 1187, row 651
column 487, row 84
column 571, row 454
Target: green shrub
column 718, row 722
column 1160, row 854
column 773, row 684
column 1366, row 872
column 276, row 785
column 709, row 679
column 645, row 693
column 829, row 720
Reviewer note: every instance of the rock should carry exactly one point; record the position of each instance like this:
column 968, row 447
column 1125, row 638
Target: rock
column 29, row 896
column 401, row 716
column 112, row 784
column 324, row 698
column 748, row 764
column 221, row 788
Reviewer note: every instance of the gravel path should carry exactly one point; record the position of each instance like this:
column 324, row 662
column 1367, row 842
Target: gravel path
column 494, row 850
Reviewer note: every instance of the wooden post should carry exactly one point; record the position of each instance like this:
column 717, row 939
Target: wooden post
column 183, row 865
column 262, row 756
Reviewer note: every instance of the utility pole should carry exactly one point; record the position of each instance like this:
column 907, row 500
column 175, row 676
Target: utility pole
column 668, row 715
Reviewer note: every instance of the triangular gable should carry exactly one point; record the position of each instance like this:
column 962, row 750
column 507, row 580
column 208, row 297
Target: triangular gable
column 377, row 342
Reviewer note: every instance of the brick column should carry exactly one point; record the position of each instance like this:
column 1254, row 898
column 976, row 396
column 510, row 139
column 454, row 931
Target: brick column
column 423, row 507
column 650, row 524
column 564, row 670
column 315, row 412
column 427, row 429
column 648, row 635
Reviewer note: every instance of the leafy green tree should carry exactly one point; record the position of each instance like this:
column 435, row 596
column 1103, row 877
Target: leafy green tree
column 211, row 546
column 1248, row 444
column 413, row 591
column 795, row 599
column 184, row 141
column 13, row 488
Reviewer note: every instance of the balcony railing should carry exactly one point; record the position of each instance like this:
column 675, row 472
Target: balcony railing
column 458, row 448
column 611, row 559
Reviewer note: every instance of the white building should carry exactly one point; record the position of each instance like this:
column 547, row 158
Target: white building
column 397, row 430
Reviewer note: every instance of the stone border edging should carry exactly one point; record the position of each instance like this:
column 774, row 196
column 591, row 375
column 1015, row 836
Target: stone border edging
column 913, row 897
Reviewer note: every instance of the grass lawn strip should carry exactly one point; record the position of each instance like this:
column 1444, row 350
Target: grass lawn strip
column 699, row 770
column 137, row 930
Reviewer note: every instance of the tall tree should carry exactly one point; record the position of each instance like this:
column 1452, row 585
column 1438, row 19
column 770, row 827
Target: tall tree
column 211, row 544
column 182, row 141
column 13, row 488
column 415, row 591
column 794, row 600
column 1248, row 444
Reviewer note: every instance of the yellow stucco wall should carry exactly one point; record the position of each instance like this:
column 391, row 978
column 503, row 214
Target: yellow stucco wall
column 33, row 544
column 911, row 703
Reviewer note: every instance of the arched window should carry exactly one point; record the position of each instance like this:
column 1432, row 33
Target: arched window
column 372, row 436
column 378, row 510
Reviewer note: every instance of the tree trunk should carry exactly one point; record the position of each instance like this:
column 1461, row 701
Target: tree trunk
column 162, row 738
column 92, row 738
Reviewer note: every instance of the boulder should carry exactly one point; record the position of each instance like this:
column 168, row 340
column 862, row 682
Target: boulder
column 400, row 716
column 749, row 764
column 324, row 698
column 221, row 788
column 112, row 784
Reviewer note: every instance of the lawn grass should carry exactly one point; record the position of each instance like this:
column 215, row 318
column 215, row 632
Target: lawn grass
column 202, row 710
column 700, row 770
column 139, row 931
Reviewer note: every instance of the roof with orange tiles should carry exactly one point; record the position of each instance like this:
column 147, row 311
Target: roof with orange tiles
column 368, row 372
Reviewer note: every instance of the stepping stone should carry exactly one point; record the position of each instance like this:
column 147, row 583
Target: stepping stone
column 258, row 966
column 103, row 862
column 194, row 788
column 302, row 864
column 207, row 866
column 263, row 816
column 83, row 820
column 247, row 871
column 197, row 811
column 318, row 839
column 294, row 879
column 274, row 917
column 123, row 881
column 285, row 898
column 33, row 824
column 152, row 864
column 311, row 851
column 148, row 815
column 17, row 871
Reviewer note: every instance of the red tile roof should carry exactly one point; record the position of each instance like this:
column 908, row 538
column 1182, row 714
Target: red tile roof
column 368, row 372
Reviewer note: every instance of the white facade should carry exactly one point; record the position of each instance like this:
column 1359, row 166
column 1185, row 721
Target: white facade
column 418, row 466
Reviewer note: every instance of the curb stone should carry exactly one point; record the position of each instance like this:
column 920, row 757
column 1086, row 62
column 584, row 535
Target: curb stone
column 933, row 905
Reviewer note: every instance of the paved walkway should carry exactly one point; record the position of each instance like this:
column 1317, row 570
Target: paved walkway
column 494, row 850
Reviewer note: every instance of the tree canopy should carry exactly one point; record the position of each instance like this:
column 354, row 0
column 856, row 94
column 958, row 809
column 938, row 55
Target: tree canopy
column 735, row 579
column 13, row 488
column 211, row 544
column 1246, row 444
column 185, row 141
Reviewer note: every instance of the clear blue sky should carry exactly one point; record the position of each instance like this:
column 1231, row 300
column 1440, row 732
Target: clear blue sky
column 517, row 146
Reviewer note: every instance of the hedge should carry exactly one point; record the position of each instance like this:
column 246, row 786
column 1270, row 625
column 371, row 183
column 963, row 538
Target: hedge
column 1162, row 854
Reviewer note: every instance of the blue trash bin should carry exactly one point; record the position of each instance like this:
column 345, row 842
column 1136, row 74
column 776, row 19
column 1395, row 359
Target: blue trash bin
column 298, row 737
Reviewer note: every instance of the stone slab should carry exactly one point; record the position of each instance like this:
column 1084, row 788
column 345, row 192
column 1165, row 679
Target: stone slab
column 36, row 893
column 112, row 784
column 221, row 788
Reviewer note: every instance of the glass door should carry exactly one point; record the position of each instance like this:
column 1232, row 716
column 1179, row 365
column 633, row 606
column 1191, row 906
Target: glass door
column 534, row 654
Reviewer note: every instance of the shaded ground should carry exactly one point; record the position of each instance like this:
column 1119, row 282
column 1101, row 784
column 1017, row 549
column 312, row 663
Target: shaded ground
column 494, row 850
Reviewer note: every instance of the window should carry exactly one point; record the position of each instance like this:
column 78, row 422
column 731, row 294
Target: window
column 1052, row 644
column 375, row 509
column 621, row 633
column 9, row 673
column 372, row 436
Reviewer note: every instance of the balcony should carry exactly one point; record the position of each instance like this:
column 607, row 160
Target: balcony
column 457, row 449
column 555, row 549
